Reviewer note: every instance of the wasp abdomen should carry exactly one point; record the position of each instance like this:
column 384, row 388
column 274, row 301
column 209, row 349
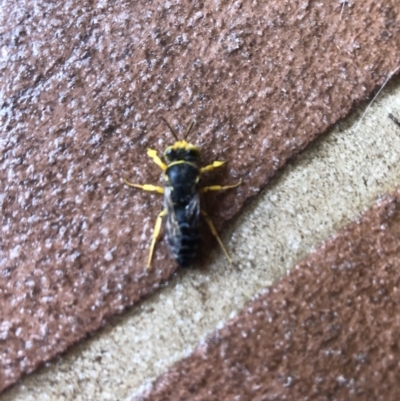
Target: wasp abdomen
column 184, row 241
column 184, row 247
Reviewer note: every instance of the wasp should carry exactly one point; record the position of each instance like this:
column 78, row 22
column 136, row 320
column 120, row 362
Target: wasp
column 182, row 192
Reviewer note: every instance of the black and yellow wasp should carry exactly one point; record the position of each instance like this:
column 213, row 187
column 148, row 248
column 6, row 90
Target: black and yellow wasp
column 182, row 175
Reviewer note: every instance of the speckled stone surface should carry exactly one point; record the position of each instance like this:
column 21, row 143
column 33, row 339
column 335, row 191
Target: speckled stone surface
column 338, row 177
column 327, row 331
column 82, row 91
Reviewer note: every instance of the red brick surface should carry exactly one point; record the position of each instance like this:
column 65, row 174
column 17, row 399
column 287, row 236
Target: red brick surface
column 83, row 86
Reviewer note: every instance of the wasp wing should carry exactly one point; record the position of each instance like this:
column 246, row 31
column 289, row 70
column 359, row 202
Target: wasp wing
column 192, row 210
column 188, row 213
column 180, row 217
column 173, row 229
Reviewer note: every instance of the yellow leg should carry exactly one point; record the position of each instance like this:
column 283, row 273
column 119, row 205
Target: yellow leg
column 153, row 154
column 214, row 232
column 145, row 187
column 219, row 187
column 211, row 167
column 156, row 233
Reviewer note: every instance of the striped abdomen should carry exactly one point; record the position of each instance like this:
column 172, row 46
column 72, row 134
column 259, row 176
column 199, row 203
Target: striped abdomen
column 184, row 246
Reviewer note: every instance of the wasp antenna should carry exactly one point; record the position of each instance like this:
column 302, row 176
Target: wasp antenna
column 171, row 129
column 188, row 129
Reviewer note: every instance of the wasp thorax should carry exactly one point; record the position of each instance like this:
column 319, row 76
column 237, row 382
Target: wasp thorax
column 185, row 152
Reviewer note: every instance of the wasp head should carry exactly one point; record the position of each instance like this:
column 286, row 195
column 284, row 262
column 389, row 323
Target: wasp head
column 182, row 150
